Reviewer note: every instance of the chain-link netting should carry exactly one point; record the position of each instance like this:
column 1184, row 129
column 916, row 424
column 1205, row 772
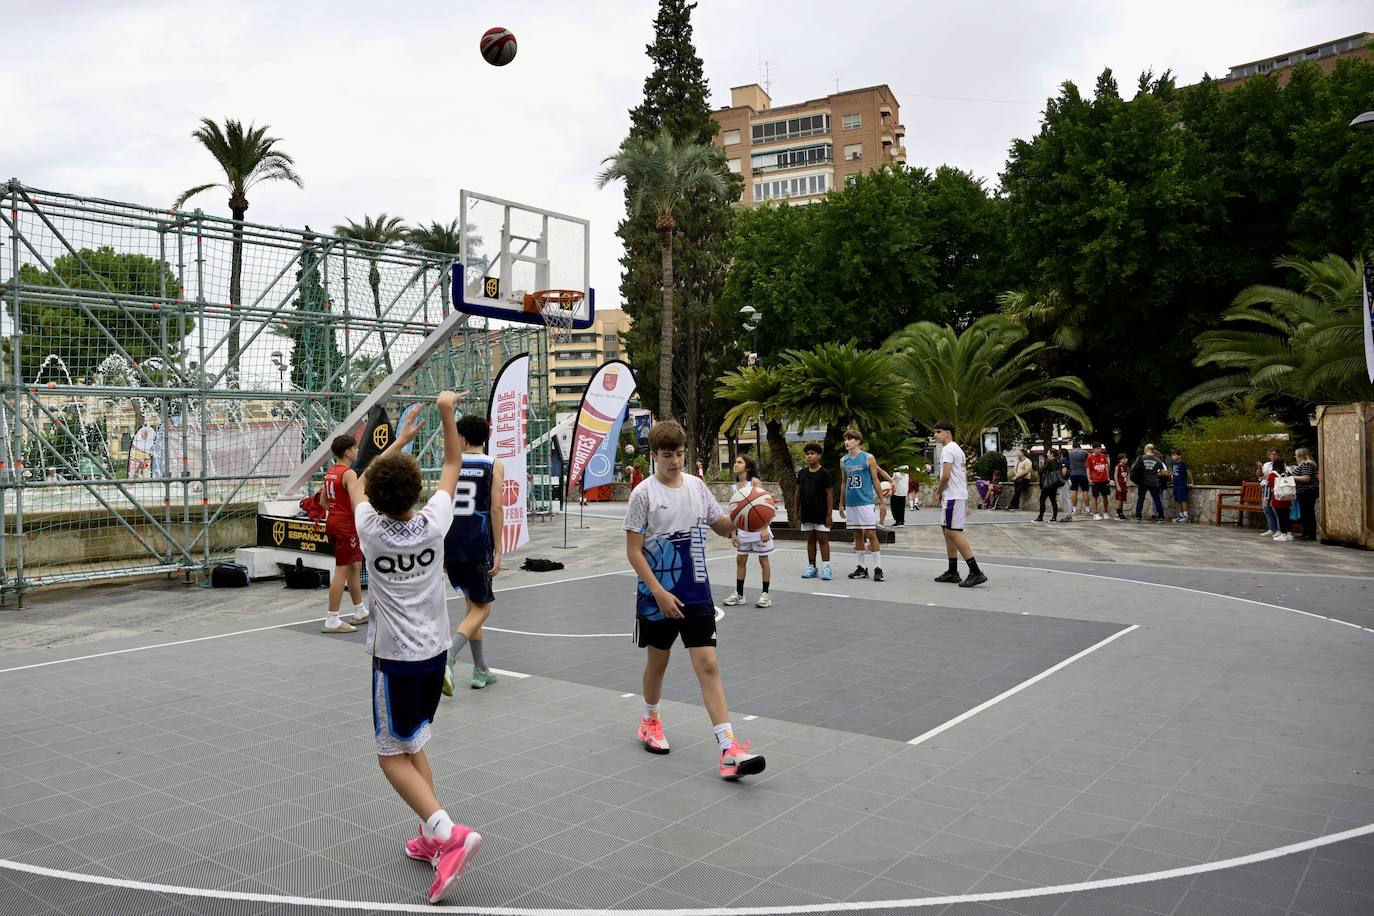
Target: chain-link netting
column 164, row 371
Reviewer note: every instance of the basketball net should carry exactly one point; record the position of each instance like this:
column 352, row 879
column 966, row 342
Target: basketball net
column 558, row 308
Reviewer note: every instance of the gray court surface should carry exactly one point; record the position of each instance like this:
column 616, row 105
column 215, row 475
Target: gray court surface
column 1226, row 740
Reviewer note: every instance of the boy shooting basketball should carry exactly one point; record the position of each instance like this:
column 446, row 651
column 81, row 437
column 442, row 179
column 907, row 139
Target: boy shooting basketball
column 408, row 636
column 472, row 549
column 665, row 541
column 348, row 556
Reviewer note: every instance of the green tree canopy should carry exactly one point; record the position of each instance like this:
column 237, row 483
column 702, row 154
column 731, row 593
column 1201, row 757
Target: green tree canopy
column 1306, row 347
column 985, row 376
column 63, row 329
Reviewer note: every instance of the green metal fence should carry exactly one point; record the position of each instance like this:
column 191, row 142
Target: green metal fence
column 147, row 410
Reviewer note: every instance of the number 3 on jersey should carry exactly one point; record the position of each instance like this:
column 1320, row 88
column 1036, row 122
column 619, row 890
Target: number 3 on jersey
column 465, row 498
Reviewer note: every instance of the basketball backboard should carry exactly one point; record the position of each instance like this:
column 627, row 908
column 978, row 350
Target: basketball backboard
column 511, row 252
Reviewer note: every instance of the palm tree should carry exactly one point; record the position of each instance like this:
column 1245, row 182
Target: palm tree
column 660, row 172
column 987, row 376
column 247, row 157
column 440, row 239
column 756, row 391
column 1041, row 312
column 1305, row 346
column 372, row 235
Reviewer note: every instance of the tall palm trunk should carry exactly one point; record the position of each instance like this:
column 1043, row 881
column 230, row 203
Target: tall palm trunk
column 665, row 334
column 693, row 370
column 374, row 280
column 235, row 291
column 780, row 457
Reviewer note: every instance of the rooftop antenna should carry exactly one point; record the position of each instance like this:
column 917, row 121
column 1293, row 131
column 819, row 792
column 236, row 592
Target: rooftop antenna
column 837, row 85
column 766, row 74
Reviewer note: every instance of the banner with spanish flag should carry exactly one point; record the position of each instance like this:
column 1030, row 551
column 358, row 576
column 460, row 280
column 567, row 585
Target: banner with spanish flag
column 603, row 405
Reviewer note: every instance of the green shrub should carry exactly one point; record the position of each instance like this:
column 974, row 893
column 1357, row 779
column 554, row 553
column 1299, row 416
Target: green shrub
column 989, row 462
column 1224, row 449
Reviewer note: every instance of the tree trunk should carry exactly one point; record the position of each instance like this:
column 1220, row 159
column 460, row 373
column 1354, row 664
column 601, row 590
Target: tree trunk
column 665, row 334
column 781, row 460
column 374, row 280
column 693, row 370
column 235, row 295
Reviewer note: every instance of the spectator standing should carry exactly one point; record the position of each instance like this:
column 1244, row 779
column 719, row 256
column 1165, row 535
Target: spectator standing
column 901, row 485
column 1271, row 518
column 1281, row 507
column 1182, row 476
column 1121, row 476
column 1306, row 476
column 1064, row 492
column 1051, row 479
column 815, row 503
column 1078, row 479
column 1020, row 480
column 1146, row 474
column 1099, row 478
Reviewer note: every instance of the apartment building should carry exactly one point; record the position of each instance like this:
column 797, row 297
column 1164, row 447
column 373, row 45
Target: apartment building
column 1324, row 55
column 800, row 152
column 571, row 364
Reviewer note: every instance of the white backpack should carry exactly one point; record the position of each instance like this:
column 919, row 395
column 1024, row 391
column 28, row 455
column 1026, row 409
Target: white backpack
column 1285, row 487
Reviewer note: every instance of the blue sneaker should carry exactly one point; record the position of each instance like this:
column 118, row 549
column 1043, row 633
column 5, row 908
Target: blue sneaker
column 825, row 572
column 810, row 571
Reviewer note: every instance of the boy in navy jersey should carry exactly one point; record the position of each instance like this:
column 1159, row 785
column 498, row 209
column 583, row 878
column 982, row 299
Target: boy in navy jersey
column 665, row 541
column 472, row 552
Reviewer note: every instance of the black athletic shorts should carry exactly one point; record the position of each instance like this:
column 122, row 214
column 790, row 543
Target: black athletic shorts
column 1102, row 488
column 696, row 630
column 1078, row 482
column 473, row 578
column 405, row 696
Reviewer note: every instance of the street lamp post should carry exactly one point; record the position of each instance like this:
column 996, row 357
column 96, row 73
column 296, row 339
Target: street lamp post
column 1363, row 121
column 280, row 363
column 751, row 318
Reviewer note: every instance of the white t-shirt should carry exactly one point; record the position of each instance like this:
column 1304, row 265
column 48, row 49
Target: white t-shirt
column 405, row 580
column 957, row 487
column 901, row 483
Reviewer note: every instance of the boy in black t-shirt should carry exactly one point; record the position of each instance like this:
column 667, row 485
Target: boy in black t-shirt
column 815, row 503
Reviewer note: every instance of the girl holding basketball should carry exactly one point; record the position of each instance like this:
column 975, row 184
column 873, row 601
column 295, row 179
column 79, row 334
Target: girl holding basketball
column 757, row 543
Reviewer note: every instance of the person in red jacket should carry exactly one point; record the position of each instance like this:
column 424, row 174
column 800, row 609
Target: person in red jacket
column 1099, row 480
column 348, row 553
column 1281, row 506
column 1121, row 476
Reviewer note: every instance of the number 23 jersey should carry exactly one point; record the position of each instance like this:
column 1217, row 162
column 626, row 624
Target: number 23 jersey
column 469, row 538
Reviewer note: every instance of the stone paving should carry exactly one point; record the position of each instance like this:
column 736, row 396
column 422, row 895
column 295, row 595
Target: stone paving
column 1142, row 723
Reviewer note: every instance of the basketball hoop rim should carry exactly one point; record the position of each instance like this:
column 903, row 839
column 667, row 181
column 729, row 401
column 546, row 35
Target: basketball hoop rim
column 566, row 299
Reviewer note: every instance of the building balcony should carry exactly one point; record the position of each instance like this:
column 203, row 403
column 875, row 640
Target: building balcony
column 887, row 139
column 898, row 152
column 899, row 130
column 763, row 169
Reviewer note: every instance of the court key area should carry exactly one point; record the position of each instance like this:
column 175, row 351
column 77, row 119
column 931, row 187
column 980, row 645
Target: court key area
column 1050, row 744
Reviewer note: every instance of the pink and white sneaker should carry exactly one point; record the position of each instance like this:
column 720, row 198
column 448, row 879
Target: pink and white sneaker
column 422, row 849
column 736, row 761
column 651, row 735
column 451, row 859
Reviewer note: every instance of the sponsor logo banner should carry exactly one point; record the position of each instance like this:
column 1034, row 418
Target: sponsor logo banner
column 598, row 419
column 508, row 413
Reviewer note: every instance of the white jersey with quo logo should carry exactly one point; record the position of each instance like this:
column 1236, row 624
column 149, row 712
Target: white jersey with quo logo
column 405, row 580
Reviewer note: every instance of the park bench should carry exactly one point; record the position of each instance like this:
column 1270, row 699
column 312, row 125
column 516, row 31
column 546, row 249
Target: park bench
column 1246, row 499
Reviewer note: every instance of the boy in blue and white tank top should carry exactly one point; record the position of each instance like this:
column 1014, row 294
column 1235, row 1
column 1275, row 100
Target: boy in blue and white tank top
column 472, row 552
column 859, row 503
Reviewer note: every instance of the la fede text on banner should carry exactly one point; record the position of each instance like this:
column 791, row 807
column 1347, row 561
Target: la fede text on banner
column 508, row 413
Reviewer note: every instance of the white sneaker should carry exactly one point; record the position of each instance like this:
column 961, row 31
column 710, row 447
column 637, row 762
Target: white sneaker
column 733, row 601
column 1098, row 516
column 765, row 600
column 1267, row 533
column 1283, row 537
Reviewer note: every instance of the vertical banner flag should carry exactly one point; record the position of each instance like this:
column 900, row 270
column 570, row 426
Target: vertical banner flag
column 603, row 407
column 1369, row 319
column 601, row 467
column 373, row 435
column 508, row 413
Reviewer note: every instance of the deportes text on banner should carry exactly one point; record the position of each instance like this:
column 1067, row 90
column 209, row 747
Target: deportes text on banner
column 603, row 404
column 601, row 469
column 508, row 413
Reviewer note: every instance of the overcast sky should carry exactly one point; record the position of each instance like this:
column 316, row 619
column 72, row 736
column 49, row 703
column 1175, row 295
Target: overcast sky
column 391, row 108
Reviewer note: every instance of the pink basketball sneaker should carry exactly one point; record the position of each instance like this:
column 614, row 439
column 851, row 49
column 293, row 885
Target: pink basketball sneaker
column 417, row 847
column 452, row 859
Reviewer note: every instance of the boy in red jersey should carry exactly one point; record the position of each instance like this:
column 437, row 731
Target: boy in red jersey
column 348, row 554
column 1100, row 480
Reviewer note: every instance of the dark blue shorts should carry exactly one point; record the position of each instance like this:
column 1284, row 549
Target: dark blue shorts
column 473, row 578
column 405, row 696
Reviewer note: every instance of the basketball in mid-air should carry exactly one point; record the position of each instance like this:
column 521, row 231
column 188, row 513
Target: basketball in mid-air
column 752, row 509
column 498, row 46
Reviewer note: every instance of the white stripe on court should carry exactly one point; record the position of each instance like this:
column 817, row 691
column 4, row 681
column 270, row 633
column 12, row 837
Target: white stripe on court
column 830, row 595
column 1020, row 687
column 560, row 635
column 839, row 907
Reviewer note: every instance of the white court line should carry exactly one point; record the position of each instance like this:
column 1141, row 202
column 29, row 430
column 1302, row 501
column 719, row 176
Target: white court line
column 830, row 595
column 296, row 623
column 839, row 907
column 1021, row 686
column 486, row 626
column 516, row 674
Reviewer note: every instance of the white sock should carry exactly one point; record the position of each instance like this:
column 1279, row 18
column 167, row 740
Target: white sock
column 438, row 827
column 360, row 611
column 877, row 559
column 651, row 710
column 863, row 559
column 331, row 620
column 725, row 734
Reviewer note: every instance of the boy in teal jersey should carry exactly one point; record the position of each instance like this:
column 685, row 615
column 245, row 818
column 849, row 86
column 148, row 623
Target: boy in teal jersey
column 860, row 473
